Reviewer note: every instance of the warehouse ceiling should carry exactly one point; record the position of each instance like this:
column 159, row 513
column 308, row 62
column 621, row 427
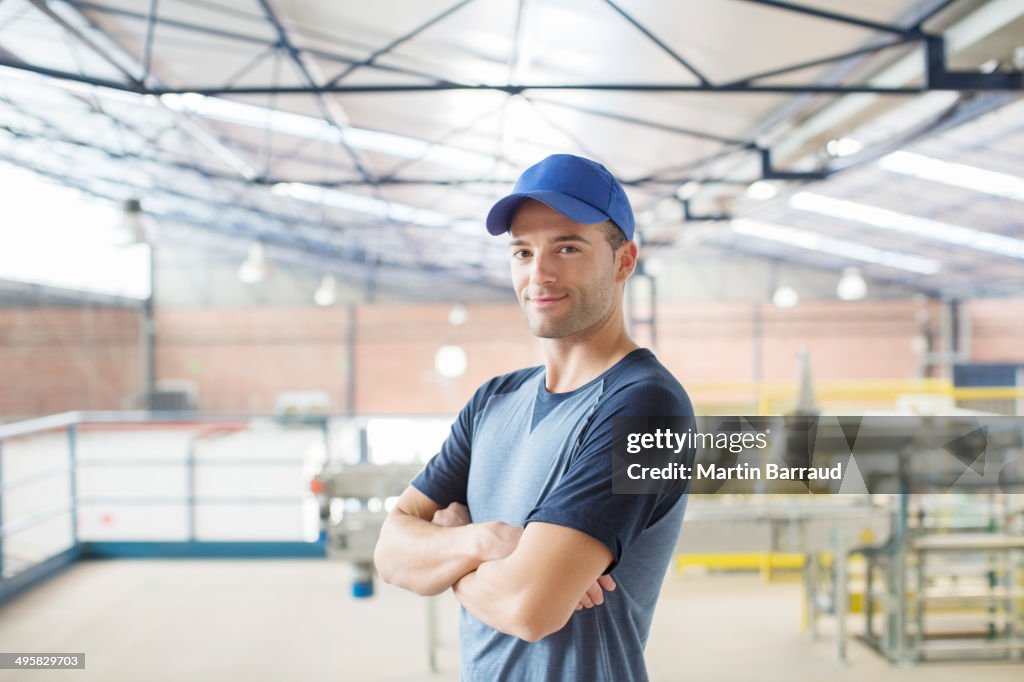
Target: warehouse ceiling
column 887, row 135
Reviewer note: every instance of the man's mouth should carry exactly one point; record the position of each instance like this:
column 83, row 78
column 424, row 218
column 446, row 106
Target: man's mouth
column 544, row 301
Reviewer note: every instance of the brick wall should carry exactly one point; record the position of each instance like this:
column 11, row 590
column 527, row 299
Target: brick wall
column 57, row 359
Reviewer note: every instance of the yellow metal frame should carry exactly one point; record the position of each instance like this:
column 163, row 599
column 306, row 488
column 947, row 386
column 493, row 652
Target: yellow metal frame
column 769, row 398
column 765, row 562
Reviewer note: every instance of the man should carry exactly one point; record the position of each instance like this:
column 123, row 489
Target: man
column 557, row 576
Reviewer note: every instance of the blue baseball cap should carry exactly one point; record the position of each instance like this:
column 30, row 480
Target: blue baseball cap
column 578, row 188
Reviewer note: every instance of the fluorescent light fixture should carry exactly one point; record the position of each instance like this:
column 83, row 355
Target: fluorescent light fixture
column 955, row 174
column 388, row 210
column 844, row 146
column 851, row 286
column 812, row 241
column 761, row 190
column 926, row 228
column 785, row 297
column 315, row 128
column 16, row 74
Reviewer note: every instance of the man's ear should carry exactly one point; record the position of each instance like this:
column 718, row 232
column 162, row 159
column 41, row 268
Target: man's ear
column 626, row 261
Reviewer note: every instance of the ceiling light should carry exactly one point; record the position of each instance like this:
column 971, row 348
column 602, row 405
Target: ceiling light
column 761, row 190
column 812, row 241
column 450, row 361
column 132, row 227
column 785, row 297
column 925, row 228
column 360, row 203
column 326, row 294
column 955, row 174
column 844, row 146
column 315, row 128
column 458, row 315
column 256, row 267
column 852, row 286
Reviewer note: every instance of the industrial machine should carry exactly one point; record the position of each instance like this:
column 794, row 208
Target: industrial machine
column 352, row 500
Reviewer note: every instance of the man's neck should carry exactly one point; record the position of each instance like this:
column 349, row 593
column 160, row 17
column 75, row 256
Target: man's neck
column 570, row 363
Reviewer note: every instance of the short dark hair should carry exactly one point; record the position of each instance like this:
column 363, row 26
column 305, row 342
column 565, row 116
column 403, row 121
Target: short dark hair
column 613, row 234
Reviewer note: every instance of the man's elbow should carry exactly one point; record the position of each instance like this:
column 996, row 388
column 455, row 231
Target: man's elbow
column 382, row 564
column 533, row 622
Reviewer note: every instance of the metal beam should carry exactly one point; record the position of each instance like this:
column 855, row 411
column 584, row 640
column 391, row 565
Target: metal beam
column 517, row 88
column 836, row 17
column 235, row 36
column 769, row 172
column 322, row 250
column 398, row 41
column 932, row 12
column 82, row 38
column 17, row 63
column 966, row 32
column 660, row 43
column 870, row 49
column 646, row 123
column 293, row 53
column 939, row 79
column 147, row 53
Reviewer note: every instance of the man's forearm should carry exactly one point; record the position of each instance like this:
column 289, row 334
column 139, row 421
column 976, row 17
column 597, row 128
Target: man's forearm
column 498, row 594
column 489, row 603
column 422, row 557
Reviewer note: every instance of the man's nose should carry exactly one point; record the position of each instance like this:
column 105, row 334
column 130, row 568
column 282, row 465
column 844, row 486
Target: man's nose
column 543, row 269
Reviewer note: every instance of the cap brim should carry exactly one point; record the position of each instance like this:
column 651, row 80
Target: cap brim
column 500, row 215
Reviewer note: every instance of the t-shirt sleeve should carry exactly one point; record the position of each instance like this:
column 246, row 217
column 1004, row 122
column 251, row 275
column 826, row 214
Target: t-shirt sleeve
column 583, row 498
column 445, row 477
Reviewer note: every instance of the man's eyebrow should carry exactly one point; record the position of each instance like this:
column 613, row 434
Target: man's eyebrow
column 554, row 240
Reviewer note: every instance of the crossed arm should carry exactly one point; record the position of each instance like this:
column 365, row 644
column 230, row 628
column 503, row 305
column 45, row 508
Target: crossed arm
column 523, row 582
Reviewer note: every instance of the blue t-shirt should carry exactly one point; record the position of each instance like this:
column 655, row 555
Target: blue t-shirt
column 518, row 454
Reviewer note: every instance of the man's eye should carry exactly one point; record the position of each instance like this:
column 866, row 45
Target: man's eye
column 569, row 249
column 521, row 253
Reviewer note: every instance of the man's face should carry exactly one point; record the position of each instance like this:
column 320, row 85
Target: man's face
column 563, row 272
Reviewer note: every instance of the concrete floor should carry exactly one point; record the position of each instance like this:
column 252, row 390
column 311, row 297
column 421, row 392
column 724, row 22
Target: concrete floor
column 279, row 620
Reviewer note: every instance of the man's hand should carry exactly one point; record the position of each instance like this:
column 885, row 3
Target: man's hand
column 454, row 514
column 494, row 539
column 498, row 540
column 594, row 596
